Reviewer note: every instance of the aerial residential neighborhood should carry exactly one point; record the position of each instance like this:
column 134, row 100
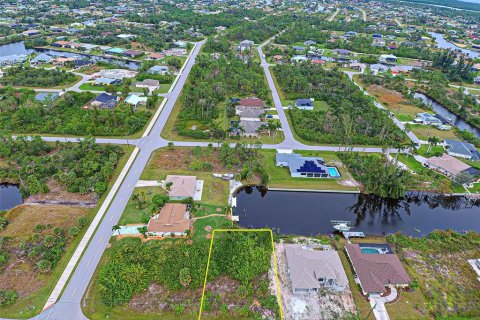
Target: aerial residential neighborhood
column 287, row 159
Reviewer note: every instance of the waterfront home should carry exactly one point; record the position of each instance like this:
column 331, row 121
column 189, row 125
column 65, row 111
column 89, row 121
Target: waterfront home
column 61, row 61
column 305, row 167
column 12, row 59
column 60, row 44
column 115, row 50
column 180, row 187
column 172, row 220
column 159, row 70
column 132, row 53
column 389, row 58
column 304, row 104
column 310, row 269
column 105, row 100
column 40, row 59
column 135, row 100
column 450, row 166
column 427, row 118
column 376, row 269
column 31, row 33
column 461, row 149
column 150, row 84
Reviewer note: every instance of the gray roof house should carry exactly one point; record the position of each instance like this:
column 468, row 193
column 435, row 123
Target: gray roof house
column 250, row 128
column 461, row 149
column 305, row 167
column 159, row 70
column 309, row 270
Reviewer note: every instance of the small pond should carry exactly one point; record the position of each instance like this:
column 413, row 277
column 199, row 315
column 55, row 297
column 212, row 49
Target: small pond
column 309, row 213
column 9, row 196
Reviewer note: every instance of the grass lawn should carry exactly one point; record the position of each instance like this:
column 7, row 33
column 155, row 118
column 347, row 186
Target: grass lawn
column 215, row 190
column 280, row 177
column 435, row 150
column 90, row 86
column 131, row 214
column 411, row 162
column 423, row 132
column 199, row 231
column 27, row 307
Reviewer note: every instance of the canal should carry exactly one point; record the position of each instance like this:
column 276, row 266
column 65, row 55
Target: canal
column 9, row 196
column 445, row 113
column 19, row 48
column 309, row 213
column 444, row 44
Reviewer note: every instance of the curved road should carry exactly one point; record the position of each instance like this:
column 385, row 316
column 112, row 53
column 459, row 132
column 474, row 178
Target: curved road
column 69, row 304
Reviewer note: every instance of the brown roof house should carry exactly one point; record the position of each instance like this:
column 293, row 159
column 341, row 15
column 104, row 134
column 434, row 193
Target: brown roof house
column 180, row 187
column 173, row 219
column 309, row 269
column 376, row 268
column 449, row 166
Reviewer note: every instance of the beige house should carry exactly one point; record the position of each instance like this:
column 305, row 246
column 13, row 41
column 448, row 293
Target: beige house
column 447, row 165
column 150, row 84
column 310, row 269
column 180, row 187
column 173, row 219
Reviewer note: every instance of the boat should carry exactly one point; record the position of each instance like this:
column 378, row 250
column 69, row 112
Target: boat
column 340, row 225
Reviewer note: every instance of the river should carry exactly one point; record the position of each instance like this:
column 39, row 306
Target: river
column 442, row 43
column 9, row 196
column 309, row 213
column 445, row 113
column 19, row 48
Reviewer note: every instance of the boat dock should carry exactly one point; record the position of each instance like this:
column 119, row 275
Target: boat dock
column 348, row 235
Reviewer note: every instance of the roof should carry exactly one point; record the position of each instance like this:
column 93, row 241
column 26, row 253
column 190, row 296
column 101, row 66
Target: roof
column 376, row 271
column 132, row 52
column 102, row 80
column 297, row 163
column 171, row 218
column 448, row 163
column 105, row 97
column 251, row 113
column 304, row 102
column 135, row 99
column 158, row 69
column 42, row 57
column 250, row 127
column 306, row 266
column 462, row 147
column 182, row 186
column 251, row 102
column 148, row 82
column 44, row 96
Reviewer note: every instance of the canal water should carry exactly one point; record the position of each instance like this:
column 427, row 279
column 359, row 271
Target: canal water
column 309, row 213
column 444, row 112
column 9, row 196
column 19, row 48
column 444, row 44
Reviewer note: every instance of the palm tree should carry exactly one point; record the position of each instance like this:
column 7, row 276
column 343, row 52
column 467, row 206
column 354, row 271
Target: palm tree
column 432, row 141
column 412, row 146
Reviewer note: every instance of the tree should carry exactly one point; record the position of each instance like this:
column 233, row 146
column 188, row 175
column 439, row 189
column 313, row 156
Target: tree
column 3, row 223
column 432, row 141
column 184, row 277
column 412, row 147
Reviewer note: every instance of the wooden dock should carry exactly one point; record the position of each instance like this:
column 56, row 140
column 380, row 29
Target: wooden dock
column 352, row 234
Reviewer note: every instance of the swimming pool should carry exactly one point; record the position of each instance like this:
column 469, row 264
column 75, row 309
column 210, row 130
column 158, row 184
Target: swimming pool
column 333, row 172
column 369, row 250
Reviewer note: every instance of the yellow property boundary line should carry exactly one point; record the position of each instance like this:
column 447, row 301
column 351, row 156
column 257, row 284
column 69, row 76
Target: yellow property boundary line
column 275, row 267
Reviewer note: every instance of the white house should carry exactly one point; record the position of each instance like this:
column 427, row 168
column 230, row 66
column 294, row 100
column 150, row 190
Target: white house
column 150, row 84
column 388, row 58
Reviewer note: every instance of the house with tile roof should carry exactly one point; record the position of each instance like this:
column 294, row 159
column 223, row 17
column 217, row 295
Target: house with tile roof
column 376, row 271
column 173, row 219
column 310, row 270
column 180, row 187
column 450, row 166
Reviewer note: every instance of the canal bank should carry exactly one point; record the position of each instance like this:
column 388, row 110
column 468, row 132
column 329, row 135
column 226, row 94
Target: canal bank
column 309, row 213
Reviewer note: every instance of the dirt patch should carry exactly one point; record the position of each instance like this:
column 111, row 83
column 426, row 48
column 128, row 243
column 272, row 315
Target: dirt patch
column 326, row 304
column 58, row 195
column 22, row 220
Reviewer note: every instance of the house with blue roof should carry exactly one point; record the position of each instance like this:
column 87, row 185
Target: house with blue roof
column 305, row 167
column 105, row 100
column 41, row 58
column 461, row 149
column 304, row 104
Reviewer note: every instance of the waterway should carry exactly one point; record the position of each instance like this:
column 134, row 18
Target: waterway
column 444, row 112
column 309, row 213
column 19, row 48
column 444, row 44
column 9, row 196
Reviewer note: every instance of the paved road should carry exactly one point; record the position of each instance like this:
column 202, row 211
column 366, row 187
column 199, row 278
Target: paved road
column 68, row 306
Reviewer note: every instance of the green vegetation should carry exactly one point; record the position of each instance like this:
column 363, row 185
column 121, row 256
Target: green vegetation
column 80, row 167
column 33, row 77
column 354, row 120
column 370, row 169
column 453, row 291
column 21, row 113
